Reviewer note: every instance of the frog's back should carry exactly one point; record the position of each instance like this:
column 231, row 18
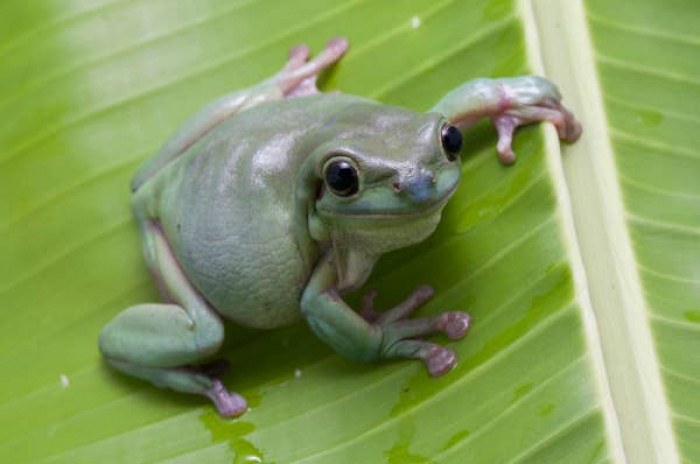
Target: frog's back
column 228, row 208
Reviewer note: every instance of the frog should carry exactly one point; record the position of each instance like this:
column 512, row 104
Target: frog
column 274, row 202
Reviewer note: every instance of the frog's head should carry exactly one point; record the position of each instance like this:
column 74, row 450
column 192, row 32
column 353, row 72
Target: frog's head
column 382, row 176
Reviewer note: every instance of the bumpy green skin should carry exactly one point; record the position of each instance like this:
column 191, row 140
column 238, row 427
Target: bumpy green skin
column 239, row 223
column 236, row 207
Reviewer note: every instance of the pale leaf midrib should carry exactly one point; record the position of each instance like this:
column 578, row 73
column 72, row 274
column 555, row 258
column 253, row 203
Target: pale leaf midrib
column 554, row 163
column 630, row 362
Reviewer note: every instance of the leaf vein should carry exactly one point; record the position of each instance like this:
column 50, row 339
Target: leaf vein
column 106, row 232
column 688, row 40
column 665, row 276
column 646, row 187
column 492, row 421
column 142, row 95
column 659, row 146
column 49, row 78
column 667, row 226
column 499, row 356
column 639, row 69
column 557, row 434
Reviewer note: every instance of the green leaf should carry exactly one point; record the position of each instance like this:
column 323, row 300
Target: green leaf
column 582, row 277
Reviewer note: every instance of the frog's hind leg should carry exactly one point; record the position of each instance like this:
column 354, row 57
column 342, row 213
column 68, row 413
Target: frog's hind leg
column 187, row 379
column 162, row 342
column 298, row 77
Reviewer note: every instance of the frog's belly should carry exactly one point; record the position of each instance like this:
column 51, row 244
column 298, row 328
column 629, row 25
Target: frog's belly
column 252, row 270
column 253, row 284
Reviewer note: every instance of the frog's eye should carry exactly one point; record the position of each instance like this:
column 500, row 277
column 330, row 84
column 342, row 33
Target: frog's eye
column 341, row 177
column 451, row 141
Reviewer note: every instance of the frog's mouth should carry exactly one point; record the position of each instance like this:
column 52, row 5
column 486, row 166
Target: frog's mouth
column 419, row 197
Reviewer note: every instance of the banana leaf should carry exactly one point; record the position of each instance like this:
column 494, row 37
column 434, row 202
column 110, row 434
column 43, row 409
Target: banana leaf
column 580, row 264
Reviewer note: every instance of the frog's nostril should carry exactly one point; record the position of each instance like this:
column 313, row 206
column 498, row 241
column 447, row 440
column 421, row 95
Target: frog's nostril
column 420, row 188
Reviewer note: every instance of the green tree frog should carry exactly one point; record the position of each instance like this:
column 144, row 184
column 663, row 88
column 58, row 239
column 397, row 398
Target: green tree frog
column 272, row 202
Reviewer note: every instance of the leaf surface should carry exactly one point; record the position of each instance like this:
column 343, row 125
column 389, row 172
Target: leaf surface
column 89, row 89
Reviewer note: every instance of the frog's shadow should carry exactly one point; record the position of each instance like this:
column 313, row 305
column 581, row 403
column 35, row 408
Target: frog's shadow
column 258, row 359
column 152, row 395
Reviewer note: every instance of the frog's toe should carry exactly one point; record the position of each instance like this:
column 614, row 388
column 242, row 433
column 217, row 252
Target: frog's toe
column 440, row 360
column 229, row 404
column 423, row 293
column 568, row 127
column 337, row 46
column 298, row 55
column 367, row 311
column 420, row 295
column 505, row 126
column 455, row 324
column 298, row 77
column 307, row 87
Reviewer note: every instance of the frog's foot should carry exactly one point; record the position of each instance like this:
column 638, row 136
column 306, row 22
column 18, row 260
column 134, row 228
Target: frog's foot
column 298, row 56
column 399, row 332
column 298, row 77
column 438, row 359
column 419, row 296
column 229, row 404
column 529, row 100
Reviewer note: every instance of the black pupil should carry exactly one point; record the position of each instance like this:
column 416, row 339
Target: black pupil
column 451, row 140
column 341, row 177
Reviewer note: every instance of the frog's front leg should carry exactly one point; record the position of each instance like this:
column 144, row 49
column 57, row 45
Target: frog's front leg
column 161, row 342
column 509, row 102
column 372, row 337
